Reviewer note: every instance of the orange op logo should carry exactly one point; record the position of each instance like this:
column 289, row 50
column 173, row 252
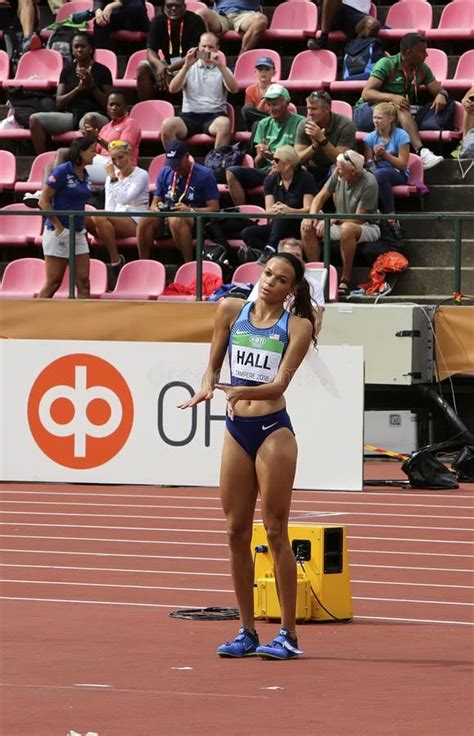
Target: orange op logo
column 80, row 411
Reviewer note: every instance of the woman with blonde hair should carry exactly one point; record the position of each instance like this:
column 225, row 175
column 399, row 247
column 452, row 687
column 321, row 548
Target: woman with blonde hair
column 386, row 153
column 288, row 190
column 126, row 190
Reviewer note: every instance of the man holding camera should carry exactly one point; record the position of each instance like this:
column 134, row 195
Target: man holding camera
column 205, row 81
column 182, row 186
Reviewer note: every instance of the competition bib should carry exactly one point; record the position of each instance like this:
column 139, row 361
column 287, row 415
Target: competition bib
column 255, row 358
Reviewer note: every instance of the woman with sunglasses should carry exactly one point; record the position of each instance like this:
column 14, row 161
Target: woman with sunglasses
column 126, row 190
column 266, row 345
column 386, row 151
column 288, row 190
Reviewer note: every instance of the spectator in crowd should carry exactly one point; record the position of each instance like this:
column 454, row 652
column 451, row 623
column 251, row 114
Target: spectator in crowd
column 295, row 247
column 171, row 35
column 387, row 150
column 118, row 15
column 182, row 186
column 21, row 15
column 276, row 130
column 83, row 87
column 288, row 190
column 468, row 105
column 347, row 16
column 256, row 107
column 353, row 190
column 243, row 16
column 67, row 188
column 126, row 190
column 204, row 80
column 397, row 79
column 323, row 136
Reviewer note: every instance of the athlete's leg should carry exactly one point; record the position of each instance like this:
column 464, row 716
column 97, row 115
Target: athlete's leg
column 238, row 488
column 276, row 466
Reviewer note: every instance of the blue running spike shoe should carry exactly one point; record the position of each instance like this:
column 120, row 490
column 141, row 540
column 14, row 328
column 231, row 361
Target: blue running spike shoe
column 282, row 647
column 244, row 645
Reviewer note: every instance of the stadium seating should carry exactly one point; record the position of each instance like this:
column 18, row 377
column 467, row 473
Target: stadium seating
column 437, row 61
column 463, row 77
column 37, row 70
column 456, row 22
column 143, row 279
column 203, row 138
column 129, row 79
column 249, row 210
column 247, row 273
column 185, row 275
column 22, row 278
column 292, row 20
column 97, row 278
column 135, row 36
column 36, row 175
column 407, row 17
column 65, row 12
column 109, row 59
column 312, row 70
column 416, row 177
column 150, row 115
column 244, row 71
column 7, row 170
column 4, row 65
column 23, row 229
column 332, row 278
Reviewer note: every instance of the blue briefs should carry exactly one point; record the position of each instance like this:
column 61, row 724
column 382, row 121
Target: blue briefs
column 251, row 432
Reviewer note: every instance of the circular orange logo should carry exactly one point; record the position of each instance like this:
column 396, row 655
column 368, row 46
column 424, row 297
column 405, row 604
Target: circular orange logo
column 80, row 411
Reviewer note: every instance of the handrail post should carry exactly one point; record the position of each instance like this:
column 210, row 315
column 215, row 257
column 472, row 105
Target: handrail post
column 327, row 254
column 199, row 245
column 72, row 257
column 457, row 256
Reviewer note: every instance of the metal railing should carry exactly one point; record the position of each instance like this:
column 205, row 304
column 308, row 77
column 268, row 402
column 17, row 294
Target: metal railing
column 457, row 218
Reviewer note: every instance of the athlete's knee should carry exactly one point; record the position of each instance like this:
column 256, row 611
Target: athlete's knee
column 277, row 534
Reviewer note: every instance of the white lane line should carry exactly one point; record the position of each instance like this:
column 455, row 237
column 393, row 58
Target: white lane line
column 228, row 574
column 311, row 494
column 111, row 689
column 418, row 554
column 181, row 605
column 117, row 585
column 412, row 600
column 217, row 544
column 223, row 531
column 414, row 585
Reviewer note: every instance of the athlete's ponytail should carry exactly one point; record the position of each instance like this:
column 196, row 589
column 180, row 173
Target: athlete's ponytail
column 302, row 305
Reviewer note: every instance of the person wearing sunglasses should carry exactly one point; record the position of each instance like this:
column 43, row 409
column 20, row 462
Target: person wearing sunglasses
column 323, row 136
column 172, row 34
column 354, row 191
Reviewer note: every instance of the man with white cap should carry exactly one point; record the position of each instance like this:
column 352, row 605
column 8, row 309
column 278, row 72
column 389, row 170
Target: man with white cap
column 353, row 190
column 274, row 131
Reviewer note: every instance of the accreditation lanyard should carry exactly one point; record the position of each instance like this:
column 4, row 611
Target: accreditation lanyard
column 407, row 84
column 180, row 32
column 186, row 186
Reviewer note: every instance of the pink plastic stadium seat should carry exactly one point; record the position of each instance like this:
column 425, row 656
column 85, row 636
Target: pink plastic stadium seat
column 249, row 210
column 332, row 278
column 150, row 115
column 433, row 136
column 244, row 71
column 97, row 277
column 7, row 170
column 109, row 59
column 22, row 279
column 129, row 79
column 407, row 17
column 247, row 273
column 66, row 10
column 415, row 177
column 312, row 70
column 186, row 274
column 342, row 108
column 20, row 229
column 195, row 5
column 437, row 61
column 247, row 162
column 143, row 279
column 456, row 22
column 37, row 70
column 464, row 74
column 293, row 21
column 4, row 65
column 135, row 36
column 36, row 175
column 203, row 138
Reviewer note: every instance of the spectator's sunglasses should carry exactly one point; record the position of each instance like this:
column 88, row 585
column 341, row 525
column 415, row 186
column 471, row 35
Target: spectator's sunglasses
column 320, row 95
column 174, row 5
column 346, row 157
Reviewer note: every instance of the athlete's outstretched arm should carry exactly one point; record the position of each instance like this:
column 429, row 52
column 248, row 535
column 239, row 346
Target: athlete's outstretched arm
column 301, row 334
column 226, row 313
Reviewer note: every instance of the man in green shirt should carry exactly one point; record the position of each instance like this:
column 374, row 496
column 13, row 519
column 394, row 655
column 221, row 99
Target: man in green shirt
column 397, row 79
column 323, row 136
column 354, row 191
column 274, row 131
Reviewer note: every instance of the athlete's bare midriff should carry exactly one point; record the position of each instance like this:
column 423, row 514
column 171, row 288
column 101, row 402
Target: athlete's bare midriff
column 245, row 408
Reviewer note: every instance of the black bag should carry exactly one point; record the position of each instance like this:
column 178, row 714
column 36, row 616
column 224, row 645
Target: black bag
column 227, row 228
column 428, row 119
column 60, row 40
column 360, row 55
column 424, row 470
column 224, row 255
column 464, row 465
column 220, row 159
column 26, row 102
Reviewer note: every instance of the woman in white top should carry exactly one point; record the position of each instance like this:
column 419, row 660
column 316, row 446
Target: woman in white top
column 126, row 189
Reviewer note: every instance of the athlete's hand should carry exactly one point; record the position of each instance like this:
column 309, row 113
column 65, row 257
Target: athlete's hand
column 202, row 395
column 232, row 395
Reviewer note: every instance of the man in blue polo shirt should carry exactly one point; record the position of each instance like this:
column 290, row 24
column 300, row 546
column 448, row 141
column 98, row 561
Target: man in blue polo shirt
column 182, row 186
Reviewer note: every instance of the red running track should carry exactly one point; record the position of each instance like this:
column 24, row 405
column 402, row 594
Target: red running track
column 90, row 574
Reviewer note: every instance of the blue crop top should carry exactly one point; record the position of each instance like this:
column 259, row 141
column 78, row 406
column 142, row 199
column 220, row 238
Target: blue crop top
column 255, row 353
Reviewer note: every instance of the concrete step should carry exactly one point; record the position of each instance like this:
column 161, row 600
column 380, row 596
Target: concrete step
column 437, row 227
column 421, row 281
column 439, row 253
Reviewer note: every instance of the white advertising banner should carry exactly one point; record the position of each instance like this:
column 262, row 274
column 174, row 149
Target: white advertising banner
column 106, row 412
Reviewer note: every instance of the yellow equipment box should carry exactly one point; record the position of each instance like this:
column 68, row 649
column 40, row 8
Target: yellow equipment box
column 323, row 586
